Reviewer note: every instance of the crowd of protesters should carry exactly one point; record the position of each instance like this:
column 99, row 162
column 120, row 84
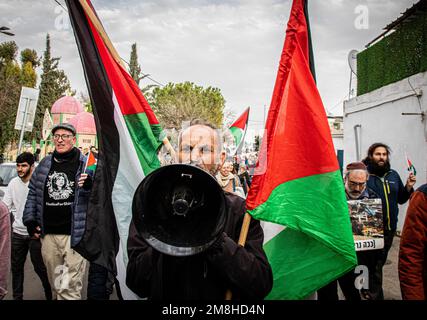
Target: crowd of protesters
column 44, row 208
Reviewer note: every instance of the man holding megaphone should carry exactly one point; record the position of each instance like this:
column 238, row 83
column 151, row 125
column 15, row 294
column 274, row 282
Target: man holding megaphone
column 183, row 237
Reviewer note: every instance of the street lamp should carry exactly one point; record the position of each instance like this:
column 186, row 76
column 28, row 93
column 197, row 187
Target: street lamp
column 4, row 31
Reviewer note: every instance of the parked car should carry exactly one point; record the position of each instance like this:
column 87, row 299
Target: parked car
column 7, row 173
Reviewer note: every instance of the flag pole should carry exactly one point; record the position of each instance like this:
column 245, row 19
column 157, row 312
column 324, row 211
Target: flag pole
column 87, row 160
column 98, row 26
column 242, row 241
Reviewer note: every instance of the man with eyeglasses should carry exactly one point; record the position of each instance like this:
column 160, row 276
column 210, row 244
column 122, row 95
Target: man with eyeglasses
column 55, row 211
column 355, row 182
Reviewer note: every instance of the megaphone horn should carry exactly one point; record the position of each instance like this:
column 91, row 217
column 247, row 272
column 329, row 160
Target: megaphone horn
column 180, row 209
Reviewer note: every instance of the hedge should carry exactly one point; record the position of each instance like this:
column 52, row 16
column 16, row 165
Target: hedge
column 397, row 56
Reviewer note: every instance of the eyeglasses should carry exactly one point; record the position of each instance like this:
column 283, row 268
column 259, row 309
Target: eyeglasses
column 62, row 136
column 356, row 184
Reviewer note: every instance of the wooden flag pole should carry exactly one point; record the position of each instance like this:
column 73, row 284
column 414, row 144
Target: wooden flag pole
column 242, row 241
column 98, row 26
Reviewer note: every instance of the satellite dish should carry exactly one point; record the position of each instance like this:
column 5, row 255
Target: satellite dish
column 352, row 60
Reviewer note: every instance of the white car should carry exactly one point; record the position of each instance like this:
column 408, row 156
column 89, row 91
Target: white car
column 7, row 173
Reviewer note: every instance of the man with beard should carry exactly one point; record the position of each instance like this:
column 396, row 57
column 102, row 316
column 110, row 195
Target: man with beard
column 225, row 265
column 22, row 242
column 387, row 183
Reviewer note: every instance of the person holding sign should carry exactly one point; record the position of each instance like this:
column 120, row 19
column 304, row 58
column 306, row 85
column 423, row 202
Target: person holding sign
column 355, row 181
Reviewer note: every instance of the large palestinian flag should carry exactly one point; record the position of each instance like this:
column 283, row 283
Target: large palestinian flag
column 300, row 191
column 129, row 137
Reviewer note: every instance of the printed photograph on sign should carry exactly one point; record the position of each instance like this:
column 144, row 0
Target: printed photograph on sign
column 367, row 223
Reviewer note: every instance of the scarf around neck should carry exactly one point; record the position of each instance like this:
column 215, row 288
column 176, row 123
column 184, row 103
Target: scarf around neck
column 66, row 156
column 224, row 181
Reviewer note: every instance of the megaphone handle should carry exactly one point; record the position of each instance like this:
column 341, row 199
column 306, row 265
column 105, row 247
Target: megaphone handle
column 242, row 241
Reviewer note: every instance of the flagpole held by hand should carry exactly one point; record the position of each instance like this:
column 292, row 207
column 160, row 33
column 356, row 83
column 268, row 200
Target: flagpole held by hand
column 242, row 241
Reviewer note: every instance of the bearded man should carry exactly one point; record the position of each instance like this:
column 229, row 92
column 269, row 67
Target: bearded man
column 387, row 183
column 22, row 242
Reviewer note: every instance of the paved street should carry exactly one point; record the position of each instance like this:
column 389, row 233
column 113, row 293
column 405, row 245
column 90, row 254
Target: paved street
column 33, row 289
column 391, row 276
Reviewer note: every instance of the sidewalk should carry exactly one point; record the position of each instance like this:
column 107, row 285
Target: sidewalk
column 390, row 274
column 33, row 289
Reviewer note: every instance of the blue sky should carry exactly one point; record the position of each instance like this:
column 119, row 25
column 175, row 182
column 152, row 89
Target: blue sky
column 233, row 45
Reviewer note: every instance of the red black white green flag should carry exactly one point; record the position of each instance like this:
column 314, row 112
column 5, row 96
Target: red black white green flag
column 238, row 129
column 129, row 138
column 300, row 191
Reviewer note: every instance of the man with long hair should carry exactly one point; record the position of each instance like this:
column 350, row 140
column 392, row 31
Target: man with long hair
column 387, row 183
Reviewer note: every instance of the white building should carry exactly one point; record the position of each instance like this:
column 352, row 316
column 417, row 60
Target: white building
column 394, row 114
column 337, row 132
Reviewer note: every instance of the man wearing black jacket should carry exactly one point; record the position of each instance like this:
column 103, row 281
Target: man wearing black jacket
column 225, row 265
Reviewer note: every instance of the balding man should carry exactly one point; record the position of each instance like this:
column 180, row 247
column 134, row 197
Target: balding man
column 225, row 265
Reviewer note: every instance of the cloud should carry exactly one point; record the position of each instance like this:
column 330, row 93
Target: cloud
column 233, row 45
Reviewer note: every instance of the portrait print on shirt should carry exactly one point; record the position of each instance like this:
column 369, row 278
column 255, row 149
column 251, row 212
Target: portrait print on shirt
column 59, row 186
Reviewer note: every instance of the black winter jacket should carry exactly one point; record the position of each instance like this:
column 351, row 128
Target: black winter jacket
column 392, row 192
column 33, row 212
column 205, row 276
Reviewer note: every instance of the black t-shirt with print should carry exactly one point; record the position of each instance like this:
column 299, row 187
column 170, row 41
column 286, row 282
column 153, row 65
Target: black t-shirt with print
column 59, row 196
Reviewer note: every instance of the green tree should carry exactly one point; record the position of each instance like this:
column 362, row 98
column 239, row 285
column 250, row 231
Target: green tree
column 54, row 84
column 137, row 75
column 134, row 67
column 30, row 56
column 12, row 77
column 8, row 52
column 87, row 104
column 175, row 103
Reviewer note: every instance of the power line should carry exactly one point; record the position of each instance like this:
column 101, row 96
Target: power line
column 145, row 75
column 61, row 5
column 339, row 103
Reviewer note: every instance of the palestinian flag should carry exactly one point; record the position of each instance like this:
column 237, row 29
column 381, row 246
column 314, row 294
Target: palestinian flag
column 129, row 138
column 300, row 191
column 410, row 166
column 91, row 162
column 238, row 129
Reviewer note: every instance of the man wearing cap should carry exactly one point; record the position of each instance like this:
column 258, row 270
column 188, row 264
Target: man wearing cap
column 55, row 211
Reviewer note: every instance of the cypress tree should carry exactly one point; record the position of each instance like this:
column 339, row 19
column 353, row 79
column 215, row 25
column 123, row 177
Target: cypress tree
column 134, row 67
column 54, row 84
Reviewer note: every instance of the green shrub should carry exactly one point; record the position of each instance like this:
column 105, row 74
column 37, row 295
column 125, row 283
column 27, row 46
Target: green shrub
column 399, row 55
